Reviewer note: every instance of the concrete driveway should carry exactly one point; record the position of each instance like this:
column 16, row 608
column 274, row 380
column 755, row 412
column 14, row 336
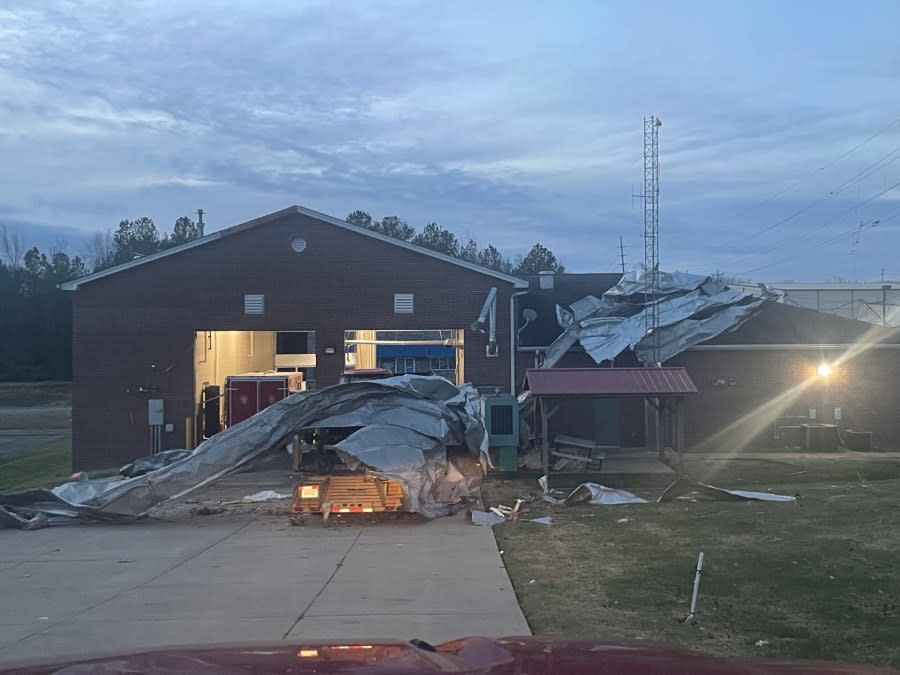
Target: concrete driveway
column 239, row 577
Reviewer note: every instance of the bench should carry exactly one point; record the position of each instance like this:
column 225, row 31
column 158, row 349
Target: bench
column 579, row 450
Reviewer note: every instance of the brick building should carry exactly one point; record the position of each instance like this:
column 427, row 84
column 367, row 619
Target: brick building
column 164, row 326
column 303, row 292
column 765, row 370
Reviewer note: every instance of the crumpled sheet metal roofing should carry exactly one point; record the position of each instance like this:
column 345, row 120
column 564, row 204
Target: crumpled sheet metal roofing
column 407, row 423
column 642, row 382
column 692, row 309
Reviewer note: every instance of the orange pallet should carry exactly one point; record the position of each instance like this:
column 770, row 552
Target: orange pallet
column 351, row 493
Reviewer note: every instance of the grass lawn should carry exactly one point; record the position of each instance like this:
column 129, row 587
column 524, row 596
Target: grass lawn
column 45, row 465
column 816, row 579
column 22, row 394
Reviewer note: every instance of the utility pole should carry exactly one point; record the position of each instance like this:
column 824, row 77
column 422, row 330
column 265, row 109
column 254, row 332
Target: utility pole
column 621, row 254
column 884, row 290
column 651, row 228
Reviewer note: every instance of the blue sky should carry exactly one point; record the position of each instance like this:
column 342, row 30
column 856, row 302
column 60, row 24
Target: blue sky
column 513, row 122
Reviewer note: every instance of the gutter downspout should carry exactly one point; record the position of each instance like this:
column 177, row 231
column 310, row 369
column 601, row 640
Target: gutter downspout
column 513, row 338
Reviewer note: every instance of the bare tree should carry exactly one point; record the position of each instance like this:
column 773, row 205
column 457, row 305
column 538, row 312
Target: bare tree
column 100, row 250
column 12, row 247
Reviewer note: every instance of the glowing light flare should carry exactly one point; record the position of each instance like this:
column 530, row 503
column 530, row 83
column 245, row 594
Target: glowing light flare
column 824, row 370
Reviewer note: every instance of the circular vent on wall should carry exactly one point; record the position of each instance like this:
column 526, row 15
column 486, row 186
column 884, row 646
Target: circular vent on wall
column 298, row 244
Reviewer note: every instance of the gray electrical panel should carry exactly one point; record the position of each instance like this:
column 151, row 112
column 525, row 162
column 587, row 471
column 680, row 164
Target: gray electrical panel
column 156, row 412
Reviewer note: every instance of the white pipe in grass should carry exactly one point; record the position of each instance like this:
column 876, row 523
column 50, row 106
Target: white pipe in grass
column 696, row 587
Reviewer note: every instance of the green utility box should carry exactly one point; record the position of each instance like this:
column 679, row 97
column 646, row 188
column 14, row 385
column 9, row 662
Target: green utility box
column 500, row 415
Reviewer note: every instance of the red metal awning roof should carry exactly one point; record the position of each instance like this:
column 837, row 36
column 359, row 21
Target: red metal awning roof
column 612, row 382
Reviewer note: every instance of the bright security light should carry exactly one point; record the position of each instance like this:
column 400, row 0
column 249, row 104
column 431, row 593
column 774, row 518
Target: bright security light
column 824, row 370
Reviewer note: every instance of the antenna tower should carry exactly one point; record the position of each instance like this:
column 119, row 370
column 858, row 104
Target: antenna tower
column 651, row 228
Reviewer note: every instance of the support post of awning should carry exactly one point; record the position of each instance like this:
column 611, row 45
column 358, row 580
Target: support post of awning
column 545, row 439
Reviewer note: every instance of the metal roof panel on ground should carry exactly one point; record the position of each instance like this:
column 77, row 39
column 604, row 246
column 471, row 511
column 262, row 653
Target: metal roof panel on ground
column 618, row 382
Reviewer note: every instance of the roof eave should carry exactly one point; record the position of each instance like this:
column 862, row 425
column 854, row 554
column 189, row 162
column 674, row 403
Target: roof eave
column 74, row 284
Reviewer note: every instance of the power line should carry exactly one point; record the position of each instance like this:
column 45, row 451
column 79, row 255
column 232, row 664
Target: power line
column 829, row 164
column 838, row 237
column 857, row 178
column 819, row 227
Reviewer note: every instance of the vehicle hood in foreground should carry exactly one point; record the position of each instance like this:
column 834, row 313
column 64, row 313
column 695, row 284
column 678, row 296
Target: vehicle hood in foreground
column 467, row 655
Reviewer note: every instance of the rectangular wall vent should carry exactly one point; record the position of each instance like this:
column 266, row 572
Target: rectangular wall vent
column 403, row 303
column 254, row 303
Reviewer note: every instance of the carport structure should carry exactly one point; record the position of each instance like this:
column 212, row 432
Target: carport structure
column 664, row 388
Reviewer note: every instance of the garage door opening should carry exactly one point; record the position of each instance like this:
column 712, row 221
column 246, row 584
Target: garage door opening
column 238, row 373
column 423, row 352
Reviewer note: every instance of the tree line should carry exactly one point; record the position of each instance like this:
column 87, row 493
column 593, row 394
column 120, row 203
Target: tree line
column 36, row 317
column 440, row 239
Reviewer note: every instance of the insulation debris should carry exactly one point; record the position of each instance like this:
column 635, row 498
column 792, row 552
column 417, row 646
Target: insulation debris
column 404, row 425
column 692, row 309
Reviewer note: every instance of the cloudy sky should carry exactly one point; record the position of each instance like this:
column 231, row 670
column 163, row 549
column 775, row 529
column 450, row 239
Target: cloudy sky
column 513, row 122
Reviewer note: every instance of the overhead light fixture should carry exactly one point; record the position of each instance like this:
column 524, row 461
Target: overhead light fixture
column 824, row 370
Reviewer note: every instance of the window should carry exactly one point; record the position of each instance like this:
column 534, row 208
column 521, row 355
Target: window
column 254, row 303
column 292, row 342
column 403, row 303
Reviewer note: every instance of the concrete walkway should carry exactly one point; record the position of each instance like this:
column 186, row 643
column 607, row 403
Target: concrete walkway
column 238, row 577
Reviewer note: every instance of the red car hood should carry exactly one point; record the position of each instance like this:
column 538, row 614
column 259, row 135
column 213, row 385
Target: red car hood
column 468, row 655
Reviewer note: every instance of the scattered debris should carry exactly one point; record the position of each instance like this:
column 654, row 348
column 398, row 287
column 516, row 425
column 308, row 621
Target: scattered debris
column 426, row 415
column 263, row 496
column 761, row 643
column 590, row 492
column 684, row 488
column 546, row 520
column 209, row 511
column 531, row 581
column 514, row 514
column 487, row 518
column 600, row 494
column 622, row 521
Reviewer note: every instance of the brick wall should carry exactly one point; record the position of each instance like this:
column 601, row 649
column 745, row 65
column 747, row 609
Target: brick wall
column 741, row 393
column 136, row 328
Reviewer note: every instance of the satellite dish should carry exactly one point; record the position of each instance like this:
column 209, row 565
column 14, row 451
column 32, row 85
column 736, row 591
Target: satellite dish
column 529, row 314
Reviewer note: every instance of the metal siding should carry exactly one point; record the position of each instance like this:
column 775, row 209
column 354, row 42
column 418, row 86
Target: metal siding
column 609, row 382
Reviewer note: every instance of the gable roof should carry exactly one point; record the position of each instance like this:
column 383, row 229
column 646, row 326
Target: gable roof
column 74, row 284
column 778, row 323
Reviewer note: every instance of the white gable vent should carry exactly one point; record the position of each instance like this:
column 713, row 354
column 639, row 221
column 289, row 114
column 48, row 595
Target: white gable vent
column 254, row 303
column 403, row 303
